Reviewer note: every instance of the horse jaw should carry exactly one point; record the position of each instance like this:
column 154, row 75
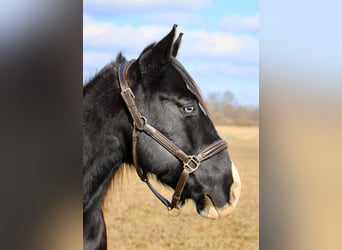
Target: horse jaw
column 211, row 211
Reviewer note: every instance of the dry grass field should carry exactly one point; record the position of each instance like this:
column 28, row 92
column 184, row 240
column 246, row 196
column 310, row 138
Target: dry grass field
column 137, row 220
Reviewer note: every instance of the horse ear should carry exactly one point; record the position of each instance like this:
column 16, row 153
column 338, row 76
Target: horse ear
column 155, row 57
column 176, row 45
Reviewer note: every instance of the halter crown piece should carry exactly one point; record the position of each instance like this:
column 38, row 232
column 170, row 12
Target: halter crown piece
column 190, row 162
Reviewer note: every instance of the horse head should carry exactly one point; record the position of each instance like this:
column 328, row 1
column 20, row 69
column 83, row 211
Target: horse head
column 170, row 102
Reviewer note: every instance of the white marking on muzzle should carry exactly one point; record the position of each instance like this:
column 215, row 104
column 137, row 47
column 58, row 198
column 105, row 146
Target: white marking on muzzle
column 235, row 191
column 212, row 212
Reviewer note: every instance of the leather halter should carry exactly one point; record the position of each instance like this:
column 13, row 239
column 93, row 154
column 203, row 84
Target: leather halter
column 190, row 162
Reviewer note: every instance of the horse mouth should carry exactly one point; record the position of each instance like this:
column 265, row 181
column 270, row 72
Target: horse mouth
column 211, row 211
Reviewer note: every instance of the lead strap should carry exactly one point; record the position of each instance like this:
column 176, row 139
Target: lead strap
column 142, row 174
column 179, row 188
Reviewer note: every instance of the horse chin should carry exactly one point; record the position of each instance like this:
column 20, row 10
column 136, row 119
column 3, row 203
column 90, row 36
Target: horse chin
column 212, row 211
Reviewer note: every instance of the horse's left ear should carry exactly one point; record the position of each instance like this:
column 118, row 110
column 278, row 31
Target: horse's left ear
column 154, row 58
column 176, row 45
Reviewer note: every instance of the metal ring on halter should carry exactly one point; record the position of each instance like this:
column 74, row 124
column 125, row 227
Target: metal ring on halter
column 179, row 210
column 142, row 126
column 196, row 162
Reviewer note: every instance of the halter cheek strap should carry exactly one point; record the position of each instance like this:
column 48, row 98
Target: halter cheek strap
column 190, row 162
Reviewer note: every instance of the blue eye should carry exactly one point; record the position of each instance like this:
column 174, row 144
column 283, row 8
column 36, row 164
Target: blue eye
column 189, row 109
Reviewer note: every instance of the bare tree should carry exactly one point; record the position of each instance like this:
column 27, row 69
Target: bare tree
column 225, row 112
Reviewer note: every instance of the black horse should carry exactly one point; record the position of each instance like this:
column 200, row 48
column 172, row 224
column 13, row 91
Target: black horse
column 170, row 106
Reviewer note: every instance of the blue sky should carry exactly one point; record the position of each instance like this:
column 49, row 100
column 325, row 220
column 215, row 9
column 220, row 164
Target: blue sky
column 220, row 46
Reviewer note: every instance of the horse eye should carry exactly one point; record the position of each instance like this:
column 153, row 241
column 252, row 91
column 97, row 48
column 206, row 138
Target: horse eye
column 189, row 109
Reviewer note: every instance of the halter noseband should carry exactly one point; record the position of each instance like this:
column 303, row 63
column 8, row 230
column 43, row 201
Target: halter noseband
column 190, row 162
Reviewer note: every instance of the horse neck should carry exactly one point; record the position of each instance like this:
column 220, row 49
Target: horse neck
column 106, row 137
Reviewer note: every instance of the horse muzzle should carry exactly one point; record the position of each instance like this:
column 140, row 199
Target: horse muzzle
column 213, row 212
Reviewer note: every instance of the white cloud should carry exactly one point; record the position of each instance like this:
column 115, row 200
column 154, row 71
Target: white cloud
column 221, row 45
column 132, row 40
column 98, row 59
column 111, row 36
column 237, row 23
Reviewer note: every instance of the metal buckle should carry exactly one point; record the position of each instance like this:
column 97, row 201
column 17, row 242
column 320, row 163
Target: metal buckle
column 194, row 161
column 123, row 92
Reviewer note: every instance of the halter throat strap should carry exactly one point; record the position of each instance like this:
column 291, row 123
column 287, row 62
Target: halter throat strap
column 190, row 162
